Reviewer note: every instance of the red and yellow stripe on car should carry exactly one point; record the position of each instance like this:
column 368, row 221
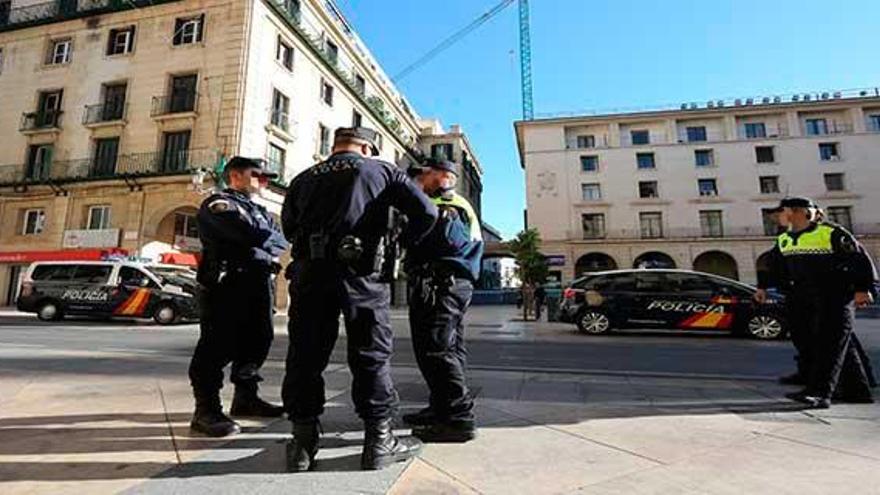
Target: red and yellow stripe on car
column 135, row 304
column 708, row 320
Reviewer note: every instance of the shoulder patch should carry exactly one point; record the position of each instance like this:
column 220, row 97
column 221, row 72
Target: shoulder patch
column 219, row 206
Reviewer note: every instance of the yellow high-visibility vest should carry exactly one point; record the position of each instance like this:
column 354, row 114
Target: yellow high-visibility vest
column 458, row 201
column 815, row 242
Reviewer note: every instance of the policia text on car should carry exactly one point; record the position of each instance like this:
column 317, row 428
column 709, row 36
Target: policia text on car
column 824, row 273
column 240, row 247
column 336, row 216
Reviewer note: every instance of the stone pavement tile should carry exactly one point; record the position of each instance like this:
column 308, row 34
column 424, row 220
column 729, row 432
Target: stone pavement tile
column 762, row 466
column 855, row 437
column 668, row 439
column 520, row 457
column 423, row 479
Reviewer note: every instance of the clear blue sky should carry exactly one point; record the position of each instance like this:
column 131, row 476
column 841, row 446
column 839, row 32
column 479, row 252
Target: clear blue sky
column 600, row 54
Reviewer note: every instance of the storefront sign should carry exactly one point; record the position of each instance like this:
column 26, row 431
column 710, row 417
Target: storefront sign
column 555, row 260
column 79, row 239
column 62, row 255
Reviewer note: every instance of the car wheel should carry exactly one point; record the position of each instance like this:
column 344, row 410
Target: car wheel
column 166, row 314
column 49, row 311
column 765, row 327
column 593, row 322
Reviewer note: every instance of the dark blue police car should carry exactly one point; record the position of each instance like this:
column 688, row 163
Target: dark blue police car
column 669, row 299
column 107, row 289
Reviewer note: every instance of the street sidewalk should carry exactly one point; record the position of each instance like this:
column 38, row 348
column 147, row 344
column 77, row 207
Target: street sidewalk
column 108, row 422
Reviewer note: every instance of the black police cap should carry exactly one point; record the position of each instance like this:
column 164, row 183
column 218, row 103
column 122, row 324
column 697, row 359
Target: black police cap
column 244, row 163
column 440, row 164
column 797, row 202
column 361, row 134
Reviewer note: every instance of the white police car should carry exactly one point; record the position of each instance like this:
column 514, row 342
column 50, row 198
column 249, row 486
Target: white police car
column 669, row 299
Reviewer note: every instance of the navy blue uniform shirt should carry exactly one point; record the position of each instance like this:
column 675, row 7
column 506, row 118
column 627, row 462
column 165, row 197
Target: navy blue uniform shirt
column 349, row 194
column 234, row 228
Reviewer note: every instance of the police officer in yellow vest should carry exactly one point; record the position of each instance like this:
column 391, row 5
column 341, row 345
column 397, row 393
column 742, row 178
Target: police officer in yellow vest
column 825, row 273
column 441, row 271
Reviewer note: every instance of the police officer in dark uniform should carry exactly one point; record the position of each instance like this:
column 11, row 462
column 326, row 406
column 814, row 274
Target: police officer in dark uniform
column 336, row 215
column 826, row 274
column 240, row 246
column 441, row 272
column 797, row 321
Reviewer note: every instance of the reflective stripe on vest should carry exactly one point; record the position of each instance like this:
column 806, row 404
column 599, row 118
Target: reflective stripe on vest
column 817, row 241
column 458, row 201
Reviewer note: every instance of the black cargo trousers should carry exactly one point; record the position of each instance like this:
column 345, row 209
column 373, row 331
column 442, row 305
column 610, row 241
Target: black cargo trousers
column 319, row 291
column 437, row 306
column 837, row 366
column 236, row 326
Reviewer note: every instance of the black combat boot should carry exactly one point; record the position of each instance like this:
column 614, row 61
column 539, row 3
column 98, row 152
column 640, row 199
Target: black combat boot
column 209, row 419
column 810, row 400
column 447, row 432
column 246, row 402
column 301, row 451
column 424, row 417
column 382, row 448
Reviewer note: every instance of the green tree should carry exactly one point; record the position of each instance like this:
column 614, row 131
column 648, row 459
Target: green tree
column 531, row 265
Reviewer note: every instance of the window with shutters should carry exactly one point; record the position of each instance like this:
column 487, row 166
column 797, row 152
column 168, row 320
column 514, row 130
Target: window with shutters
column 121, row 41
column 188, row 30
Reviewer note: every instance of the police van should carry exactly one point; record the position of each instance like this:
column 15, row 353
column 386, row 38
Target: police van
column 107, row 289
column 669, row 299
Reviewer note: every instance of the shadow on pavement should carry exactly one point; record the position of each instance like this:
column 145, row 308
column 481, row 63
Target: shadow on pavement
column 139, row 446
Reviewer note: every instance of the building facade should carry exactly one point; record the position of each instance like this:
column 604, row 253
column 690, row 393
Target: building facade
column 114, row 115
column 692, row 188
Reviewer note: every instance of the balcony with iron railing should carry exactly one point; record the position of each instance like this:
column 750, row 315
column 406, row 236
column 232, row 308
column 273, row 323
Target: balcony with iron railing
column 696, row 137
column 828, row 129
column 60, row 10
column 697, row 233
column 580, row 143
column 177, row 103
column 41, row 121
column 314, row 36
column 770, row 131
column 666, row 234
column 104, row 113
column 627, row 141
column 128, row 165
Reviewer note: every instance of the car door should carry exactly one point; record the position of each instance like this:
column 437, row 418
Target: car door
column 693, row 303
column 736, row 301
column 89, row 292
column 136, row 293
column 649, row 300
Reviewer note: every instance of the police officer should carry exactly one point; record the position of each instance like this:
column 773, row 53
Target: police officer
column 826, row 273
column 336, row 215
column 240, row 246
column 797, row 321
column 441, row 272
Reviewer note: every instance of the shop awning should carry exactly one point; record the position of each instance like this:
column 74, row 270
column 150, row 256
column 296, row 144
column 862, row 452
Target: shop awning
column 185, row 259
column 61, row 255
